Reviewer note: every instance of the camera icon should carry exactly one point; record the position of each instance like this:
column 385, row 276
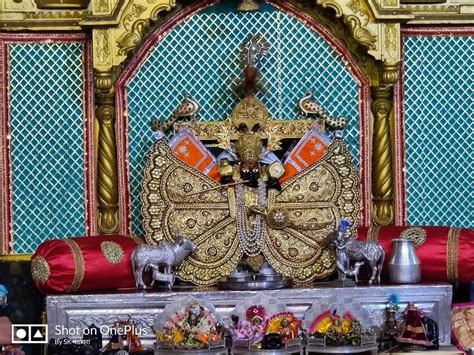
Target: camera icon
column 29, row 334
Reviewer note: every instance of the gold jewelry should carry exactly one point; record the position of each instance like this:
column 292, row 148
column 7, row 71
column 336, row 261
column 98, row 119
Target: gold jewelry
column 276, row 170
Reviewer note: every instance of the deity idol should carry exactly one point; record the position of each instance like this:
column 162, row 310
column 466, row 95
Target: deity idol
column 252, row 203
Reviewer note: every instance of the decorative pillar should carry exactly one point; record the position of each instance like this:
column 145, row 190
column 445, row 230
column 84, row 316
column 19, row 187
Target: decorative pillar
column 383, row 211
column 108, row 221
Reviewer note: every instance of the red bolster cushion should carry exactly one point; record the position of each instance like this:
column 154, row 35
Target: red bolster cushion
column 84, row 264
column 445, row 252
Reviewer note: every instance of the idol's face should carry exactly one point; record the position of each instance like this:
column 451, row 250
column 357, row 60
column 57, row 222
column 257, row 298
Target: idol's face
column 250, row 172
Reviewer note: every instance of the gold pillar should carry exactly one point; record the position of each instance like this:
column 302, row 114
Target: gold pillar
column 382, row 173
column 107, row 153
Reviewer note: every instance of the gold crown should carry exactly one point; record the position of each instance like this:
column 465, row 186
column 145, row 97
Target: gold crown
column 250, row 112
column 248, row 148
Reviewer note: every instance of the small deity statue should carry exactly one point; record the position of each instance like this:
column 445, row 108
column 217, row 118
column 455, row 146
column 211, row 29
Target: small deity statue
column 388, row 336
column 287, row 331
column 134, row 343
column 413, row 331
column 257, row 316
column 118, row 338
column 240, row 328
column 285, row 324
column 94, row 337
column 191, row 326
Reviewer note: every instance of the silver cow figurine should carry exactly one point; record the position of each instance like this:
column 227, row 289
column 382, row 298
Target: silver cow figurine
column 166, row 255
column 352, row 272
column 350, row 250
column 161, row 276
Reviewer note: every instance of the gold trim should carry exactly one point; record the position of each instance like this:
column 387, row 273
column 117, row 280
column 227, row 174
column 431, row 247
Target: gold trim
column 78, row 265
column 14, row 258
column 452, row 254
column 40, row 270
column 417, row 330
column 373, row 233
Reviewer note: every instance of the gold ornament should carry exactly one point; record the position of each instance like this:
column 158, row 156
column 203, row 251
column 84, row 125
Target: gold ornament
column 276, row 170
column 250, row 112
column 40, row 270
column 248, row 5
column 255, row 262
column 112, row 251
column 179, row 199
column 248, row 124
column 416, row 234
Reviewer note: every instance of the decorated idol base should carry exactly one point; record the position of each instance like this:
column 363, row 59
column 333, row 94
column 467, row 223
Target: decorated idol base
column 339, row 328
column 263, row 325
column 189, row 325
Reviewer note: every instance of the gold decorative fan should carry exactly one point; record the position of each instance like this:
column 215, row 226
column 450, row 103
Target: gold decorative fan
column 178, row 199
column 315, row 201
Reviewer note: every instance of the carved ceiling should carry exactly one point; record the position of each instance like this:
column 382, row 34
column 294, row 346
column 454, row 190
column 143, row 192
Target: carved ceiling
column 120, row 26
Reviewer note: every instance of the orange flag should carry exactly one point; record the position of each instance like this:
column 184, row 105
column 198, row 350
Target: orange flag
column 311, row 147
column 189, row 149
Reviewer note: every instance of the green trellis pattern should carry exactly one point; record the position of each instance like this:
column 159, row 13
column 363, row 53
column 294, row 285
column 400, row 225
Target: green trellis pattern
column 46, row 103
column 438, row 92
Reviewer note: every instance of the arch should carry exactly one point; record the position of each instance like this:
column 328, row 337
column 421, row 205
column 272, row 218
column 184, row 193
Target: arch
column 146, row 51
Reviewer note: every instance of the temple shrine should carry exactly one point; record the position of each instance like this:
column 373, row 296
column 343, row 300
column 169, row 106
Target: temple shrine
column 236, row 177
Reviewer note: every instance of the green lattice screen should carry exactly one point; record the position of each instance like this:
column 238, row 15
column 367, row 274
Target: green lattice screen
column 438, row 85
column 200, row 56
column 46, row 105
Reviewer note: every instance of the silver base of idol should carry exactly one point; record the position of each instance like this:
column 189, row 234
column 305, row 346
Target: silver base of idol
column 265, row 279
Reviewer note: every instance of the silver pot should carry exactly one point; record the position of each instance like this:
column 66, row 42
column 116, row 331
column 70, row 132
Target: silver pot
column 404, row 266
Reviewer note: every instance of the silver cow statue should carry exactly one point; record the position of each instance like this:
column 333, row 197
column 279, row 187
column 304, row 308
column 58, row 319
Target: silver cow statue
column 352, row 272
column 350, row 251
column 161, row 276
column 166, row 255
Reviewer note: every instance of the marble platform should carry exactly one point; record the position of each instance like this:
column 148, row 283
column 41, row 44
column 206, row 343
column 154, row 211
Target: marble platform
column 77, row 312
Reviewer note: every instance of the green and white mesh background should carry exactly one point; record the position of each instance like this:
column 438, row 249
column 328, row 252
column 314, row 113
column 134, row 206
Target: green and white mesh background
column 47, row 110
column 201, row 56
column 438, row 107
